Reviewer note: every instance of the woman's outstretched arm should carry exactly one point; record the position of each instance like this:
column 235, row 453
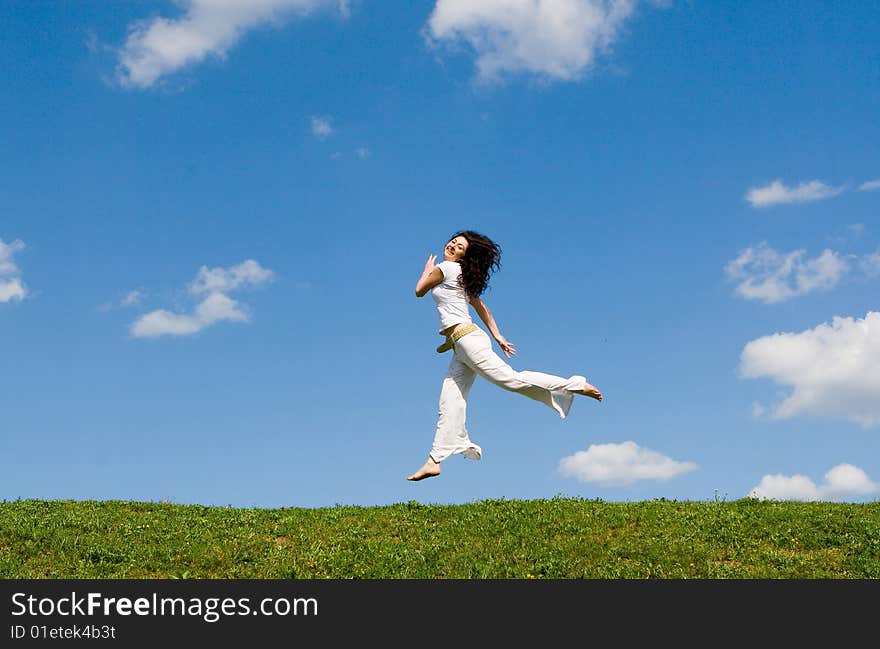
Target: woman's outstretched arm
column 431, row 276
column 486, row 316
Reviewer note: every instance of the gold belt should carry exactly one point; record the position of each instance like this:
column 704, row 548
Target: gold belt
column 455, row 335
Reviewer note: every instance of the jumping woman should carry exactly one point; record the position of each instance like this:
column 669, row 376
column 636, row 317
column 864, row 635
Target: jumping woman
column 463, row 275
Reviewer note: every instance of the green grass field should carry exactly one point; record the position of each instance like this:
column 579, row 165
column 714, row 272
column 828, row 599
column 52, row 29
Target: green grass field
column 560, row 538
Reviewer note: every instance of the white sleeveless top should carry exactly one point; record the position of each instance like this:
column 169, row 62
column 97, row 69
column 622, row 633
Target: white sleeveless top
column 452, row 304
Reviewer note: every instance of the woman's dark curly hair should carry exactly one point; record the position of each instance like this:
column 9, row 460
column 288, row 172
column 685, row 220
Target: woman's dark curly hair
column 481, row 258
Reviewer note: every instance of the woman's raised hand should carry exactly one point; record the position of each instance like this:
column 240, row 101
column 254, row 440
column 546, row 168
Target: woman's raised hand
column 429, row 265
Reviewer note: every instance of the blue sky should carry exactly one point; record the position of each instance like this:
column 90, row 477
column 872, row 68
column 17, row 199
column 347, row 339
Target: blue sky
column 213, row 216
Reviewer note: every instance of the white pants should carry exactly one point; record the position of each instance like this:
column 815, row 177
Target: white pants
column 473, row 355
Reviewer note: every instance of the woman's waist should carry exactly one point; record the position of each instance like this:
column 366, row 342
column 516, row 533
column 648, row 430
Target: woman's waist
column 450, row 330
column 455, row 332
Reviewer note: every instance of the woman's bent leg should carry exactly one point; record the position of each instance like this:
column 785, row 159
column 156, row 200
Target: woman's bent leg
column 451, row 435
column 554, row 391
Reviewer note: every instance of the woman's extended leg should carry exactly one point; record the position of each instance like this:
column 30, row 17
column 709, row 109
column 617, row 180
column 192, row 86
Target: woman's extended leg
column 451, row 435
column 554, row 391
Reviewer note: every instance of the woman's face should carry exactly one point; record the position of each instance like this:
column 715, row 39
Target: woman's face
column 455, row 249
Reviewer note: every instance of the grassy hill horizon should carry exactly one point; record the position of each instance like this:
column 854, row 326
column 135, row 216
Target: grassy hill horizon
column 558, row 538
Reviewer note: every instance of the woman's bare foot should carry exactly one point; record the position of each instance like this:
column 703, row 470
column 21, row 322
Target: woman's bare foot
column 590, row 391
column 429, row 470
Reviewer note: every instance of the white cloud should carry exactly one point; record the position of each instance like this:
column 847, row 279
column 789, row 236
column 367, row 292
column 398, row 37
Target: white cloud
column 871, row 264
column 781, row 487
column 771, row 276
column 215, row 307
column 621, row 464
column 132, row 297
column 229, row 279
column 870, row 185
column 12, row 289
column 11, row 285
column 841, row 482
column 160, row 46
column 554, row 39
column 845, row 480
column 833, row 370
column 776, row 193
column 362, row 152
column 321, row 127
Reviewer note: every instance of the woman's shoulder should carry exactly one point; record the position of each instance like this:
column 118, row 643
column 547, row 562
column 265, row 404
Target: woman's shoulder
column 447, row 265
